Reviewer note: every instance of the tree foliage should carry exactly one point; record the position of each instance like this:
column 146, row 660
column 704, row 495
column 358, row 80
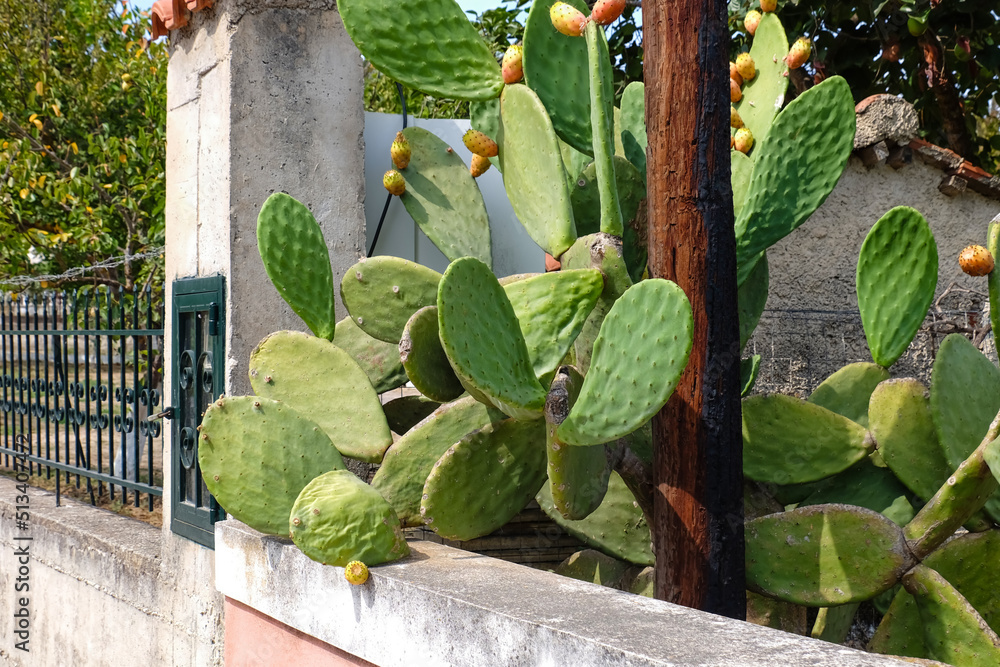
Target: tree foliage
column 82, row 141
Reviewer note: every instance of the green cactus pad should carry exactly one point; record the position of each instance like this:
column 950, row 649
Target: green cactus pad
column 764, row 95
column 603, row 252
column 741, row 166
column 480, row 334
column 551, row 309
column 594, row 567
column 533, row 172
column 953, row 630
column 749, row 368
column 824, row 555
column 639, row 356
column 834, row 623
column 617, row 527
column 633, row 125
column 578, row 476
column 865, row 485
column 789, row 441
column 405, row 412
column 796, row 166
column 896, row 278
column 643, row 584
column 415, row 44
column 378, row 359
column 338, row 518
column 409, row 461
column 555, row 67
column 256, row 455
column 603, row 119
column 297, row 261
column 751, row 299
column 848, row 390
column 425, row 361
column 900, row 419
column 777, row 614
column 993, row 279
column 443, row 198
column 484, row 479
column 382, row 293
column 574, row 162
column 631, row 192
column 325, row 384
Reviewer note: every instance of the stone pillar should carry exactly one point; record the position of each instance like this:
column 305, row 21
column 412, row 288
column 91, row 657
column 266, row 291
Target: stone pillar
column 261, row 97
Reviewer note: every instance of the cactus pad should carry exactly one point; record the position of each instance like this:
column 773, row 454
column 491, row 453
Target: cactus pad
column 485, row 117
column 441, row 39
column 555, row 67
column 633, row 126
column 337, row 518
column 603, row 120
column 741, row 167
column 405, row 412
column 594, row 567
column 789, row 441
column 578, row 476
column 865, row 485
column 752, row 297
column 532, row 170
column 325, row 384
column 896, row 279
column 256, row 455
column 297, row 261
column 764, row 95
column 617, row 527
column 409, row 461
column 378, row 359
column 848, row 390
column 382, row 293
column 425, row 362
column 480, row 334
column 824, row 555
column 551, row 309
column 443, row 198
column 749, row 368
column 484, row 479
column 796, row 166
column 639, row 356
column 900, row 419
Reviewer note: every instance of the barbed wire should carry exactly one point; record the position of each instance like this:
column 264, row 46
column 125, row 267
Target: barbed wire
column 76, row 272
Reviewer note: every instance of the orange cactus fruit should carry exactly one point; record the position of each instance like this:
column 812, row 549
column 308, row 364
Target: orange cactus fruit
column 356, row 572
column 976, row 260
column 606, row 12
column 512, row 66
column 567, row 19
column 479, row 165
column 799, row 53
column 745, row 66
column 751, row 21
column 400, row 151
column 394, row 182
column 735, row 121
column 734, row 74
column 735, row 94
column 743, row 140
column 480, row 144
column 768, row 5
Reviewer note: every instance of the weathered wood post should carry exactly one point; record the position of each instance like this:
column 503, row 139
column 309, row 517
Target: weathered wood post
column 698, row 509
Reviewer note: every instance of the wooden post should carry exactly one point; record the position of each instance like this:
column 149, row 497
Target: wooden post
column 698, row 457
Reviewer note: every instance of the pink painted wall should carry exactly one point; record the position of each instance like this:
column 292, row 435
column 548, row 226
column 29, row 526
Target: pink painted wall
column 254, row 639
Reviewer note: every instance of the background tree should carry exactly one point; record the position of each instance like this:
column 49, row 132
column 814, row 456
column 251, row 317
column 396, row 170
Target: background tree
column 82, row 141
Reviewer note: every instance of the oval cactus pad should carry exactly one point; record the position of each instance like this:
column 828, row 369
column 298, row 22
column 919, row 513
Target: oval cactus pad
column 378, row 359
column 418, row 43
column 617, row 527
column 425, row 361
column 338, row 518
column 633, row 125
column 896, row 279
column 533, row 171
column 401, row 477
column 443, row 199
column 847, row 390
column 256, row 455
column 382, row 293
column 297, row 261
column 484, row 479
column 638, row 358
column 551, row 309
column 764, row 95
column 481, row 336
column 789, row 441
column 824, row 555
column 324, row 383
column 555, row 67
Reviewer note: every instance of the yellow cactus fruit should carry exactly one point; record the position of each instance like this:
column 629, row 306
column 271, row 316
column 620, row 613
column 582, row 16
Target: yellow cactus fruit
column 743, row 140
column 394, row 182
column 976, row 260
column 745, row 66
column 356, row 572
column 400, row 151
column 734, row 118
column 479, row 165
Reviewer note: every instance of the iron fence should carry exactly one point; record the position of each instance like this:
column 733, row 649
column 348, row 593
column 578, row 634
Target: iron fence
column 80, row 373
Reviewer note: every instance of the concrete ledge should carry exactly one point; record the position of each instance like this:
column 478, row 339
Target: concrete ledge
column 451, row 607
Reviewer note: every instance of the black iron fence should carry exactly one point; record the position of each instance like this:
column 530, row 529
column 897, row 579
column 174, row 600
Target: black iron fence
column 80, row 374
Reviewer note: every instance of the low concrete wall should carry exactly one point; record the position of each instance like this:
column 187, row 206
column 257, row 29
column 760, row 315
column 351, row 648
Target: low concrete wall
column 442, row 606
column 98, row 591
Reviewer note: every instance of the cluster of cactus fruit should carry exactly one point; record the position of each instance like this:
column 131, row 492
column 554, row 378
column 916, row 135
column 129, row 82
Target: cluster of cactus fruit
column 541, row 386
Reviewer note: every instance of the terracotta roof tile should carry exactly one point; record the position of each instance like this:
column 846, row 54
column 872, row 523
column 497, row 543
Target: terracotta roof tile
column 173, row 14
